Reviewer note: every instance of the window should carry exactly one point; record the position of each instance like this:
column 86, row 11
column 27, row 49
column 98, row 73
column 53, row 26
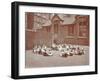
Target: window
column 56, row 28
column 71, row 30
column 48, row 29
column 83, row 31
column 83, row 23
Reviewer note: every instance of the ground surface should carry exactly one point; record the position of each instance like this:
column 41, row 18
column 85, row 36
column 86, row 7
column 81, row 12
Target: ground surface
column 34, row 60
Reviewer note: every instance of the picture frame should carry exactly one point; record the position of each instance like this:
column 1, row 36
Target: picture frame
column 29, row 65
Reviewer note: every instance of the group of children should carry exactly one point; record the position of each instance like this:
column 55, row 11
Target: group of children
column 64, row 50
column 42, row 50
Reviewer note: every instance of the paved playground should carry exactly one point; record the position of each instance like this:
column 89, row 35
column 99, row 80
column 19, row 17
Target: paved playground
column 35, row 60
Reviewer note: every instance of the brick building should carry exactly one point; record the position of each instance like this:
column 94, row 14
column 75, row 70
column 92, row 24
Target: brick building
column 46, row 29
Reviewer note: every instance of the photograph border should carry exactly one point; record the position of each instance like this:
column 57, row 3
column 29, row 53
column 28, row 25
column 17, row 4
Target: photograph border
column 15, row 39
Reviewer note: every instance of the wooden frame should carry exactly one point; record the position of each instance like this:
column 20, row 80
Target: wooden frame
column 15, row 70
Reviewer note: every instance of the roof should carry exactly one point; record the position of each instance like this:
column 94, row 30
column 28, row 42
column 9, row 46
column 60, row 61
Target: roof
column 65, row 19
column 56, row 17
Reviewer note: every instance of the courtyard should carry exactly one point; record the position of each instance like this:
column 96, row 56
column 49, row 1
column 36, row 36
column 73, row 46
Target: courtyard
column 35, row 60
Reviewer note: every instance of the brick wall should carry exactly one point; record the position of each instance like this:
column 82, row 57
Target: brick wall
column 29, row 39
column 44, row 35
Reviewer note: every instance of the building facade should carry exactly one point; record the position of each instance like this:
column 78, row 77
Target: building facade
column 47, row 29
